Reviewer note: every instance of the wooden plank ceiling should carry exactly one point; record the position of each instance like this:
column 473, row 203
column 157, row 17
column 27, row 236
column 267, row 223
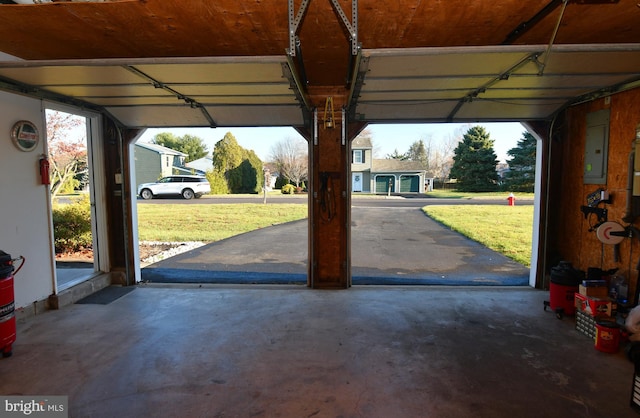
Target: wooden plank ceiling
column 224, row 62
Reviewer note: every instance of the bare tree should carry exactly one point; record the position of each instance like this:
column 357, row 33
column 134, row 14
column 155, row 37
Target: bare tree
column 441, row 156
column 291, row 158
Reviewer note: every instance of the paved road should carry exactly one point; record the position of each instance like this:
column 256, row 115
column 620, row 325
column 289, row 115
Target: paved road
column 404, row 247
column 378, row 201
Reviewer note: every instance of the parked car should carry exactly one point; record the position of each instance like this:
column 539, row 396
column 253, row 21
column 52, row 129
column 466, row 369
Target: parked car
column 186, row 186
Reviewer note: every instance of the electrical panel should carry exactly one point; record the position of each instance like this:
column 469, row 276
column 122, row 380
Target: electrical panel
column 596, row 148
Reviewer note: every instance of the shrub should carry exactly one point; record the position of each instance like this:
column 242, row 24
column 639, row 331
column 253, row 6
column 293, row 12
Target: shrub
column 217, row 182
column 288, row 189
column 280, row 181
column 72, row 226
column 70, row 186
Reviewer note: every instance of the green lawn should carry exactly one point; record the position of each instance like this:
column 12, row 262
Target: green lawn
column 207, row 222
column 454, row 194
column 505, row 229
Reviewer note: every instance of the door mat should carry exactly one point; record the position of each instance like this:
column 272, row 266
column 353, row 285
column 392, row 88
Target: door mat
column 106, row 295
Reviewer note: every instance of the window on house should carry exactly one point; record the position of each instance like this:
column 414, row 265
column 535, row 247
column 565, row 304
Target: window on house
column 358, row 157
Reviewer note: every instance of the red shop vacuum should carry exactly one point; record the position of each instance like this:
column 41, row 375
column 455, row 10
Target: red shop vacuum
column 7, row 303
column 562, row 288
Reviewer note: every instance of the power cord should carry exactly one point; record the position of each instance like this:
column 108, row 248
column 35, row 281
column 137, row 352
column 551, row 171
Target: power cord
column 327, row 197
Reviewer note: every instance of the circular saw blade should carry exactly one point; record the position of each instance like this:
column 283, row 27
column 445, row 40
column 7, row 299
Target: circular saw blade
column 604, row 233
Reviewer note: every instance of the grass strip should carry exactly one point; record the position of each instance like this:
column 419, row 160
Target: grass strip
column 208, row 223
column 505, row 229
column 454, row 194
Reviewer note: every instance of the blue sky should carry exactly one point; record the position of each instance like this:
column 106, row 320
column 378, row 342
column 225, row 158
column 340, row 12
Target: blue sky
column 386, row 138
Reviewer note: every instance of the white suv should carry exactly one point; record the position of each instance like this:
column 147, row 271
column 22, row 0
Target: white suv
column 186, row 186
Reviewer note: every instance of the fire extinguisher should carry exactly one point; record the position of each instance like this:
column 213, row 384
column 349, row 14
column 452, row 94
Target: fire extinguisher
column 44, row 170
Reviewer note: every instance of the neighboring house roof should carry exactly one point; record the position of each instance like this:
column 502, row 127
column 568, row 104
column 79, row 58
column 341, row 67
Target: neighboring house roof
column 272, row 167
column 203, row 164
column 183, row 170
column 160, row 149
column 392, row 165
column 361, row 143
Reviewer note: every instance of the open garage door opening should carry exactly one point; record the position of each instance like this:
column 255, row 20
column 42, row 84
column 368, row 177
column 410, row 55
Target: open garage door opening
column 256, row 181
column 427, row 220
column 392, row 240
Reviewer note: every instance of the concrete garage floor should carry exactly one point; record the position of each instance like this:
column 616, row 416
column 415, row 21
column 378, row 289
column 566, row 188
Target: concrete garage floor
column 289, row 351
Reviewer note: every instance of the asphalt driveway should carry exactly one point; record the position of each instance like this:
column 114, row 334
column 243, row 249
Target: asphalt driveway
column 389, row 246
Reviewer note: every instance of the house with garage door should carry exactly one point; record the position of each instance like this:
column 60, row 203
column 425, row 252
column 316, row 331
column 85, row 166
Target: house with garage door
column 369, row 175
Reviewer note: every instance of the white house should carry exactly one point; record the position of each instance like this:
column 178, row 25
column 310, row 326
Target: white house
column 369, row 175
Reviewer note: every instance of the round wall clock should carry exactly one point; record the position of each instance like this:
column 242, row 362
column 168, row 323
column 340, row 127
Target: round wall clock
column 25, row 135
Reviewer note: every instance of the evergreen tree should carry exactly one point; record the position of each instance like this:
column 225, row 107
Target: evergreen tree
column 248, row 177
column 255, row 183
column 418, row 152
column 227, row 155
column 474, row 162
column 218, row 182
column 187, row 144
column 235, row 169
column 397, row 156
column 194, row 147
column 522, row 165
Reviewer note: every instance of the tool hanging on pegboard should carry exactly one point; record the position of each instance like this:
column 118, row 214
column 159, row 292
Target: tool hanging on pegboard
column 612, row 233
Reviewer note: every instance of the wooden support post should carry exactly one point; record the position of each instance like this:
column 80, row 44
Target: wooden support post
column 329, row 204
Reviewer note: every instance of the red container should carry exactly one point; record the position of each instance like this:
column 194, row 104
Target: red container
column 7, row 316
column 607, row 336
column 561, row 297
column 562, row 288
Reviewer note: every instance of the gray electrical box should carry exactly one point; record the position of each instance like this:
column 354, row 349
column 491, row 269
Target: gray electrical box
column 596, row 149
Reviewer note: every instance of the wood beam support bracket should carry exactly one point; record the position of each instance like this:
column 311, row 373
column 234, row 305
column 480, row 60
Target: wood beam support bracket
column 296, row 19
column 351, row 27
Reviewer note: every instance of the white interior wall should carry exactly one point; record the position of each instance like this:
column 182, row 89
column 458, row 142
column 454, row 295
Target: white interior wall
column 25, row 221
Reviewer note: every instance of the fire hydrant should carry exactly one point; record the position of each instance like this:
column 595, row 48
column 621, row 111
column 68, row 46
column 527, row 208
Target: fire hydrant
column 511, row 199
